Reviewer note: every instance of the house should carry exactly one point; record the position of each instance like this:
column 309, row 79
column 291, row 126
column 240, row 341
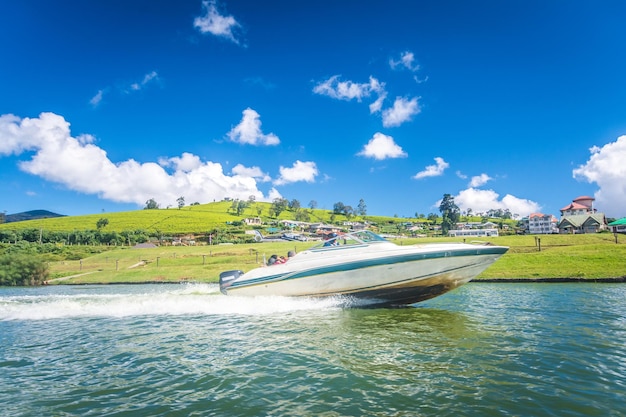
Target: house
column 581, row 217
column 539, row 223
column 473, row 232
column 618, row 226
column 253, row 221
column 580, row 205
column 583, row 223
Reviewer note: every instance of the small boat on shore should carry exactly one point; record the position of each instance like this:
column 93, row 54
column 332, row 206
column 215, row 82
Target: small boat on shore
column 368, row 268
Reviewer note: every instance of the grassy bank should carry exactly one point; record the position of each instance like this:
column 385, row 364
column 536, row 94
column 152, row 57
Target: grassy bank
column 558, row 256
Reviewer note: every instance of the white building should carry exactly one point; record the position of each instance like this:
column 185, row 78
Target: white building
column 473, row 232
column 542, row 224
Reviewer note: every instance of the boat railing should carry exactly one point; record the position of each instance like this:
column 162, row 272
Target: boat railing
column 361, row 237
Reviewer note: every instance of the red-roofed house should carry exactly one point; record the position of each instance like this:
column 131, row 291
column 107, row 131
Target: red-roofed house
column 580, row 217
column 580, row 205
column 539, row 223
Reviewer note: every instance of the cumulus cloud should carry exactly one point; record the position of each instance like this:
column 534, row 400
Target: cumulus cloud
column 407, row 60
column 216, row 24
column 433, row 170
column 402, row 111
column 80, row 165
column 248, row 131
column 607, row 169
column 481, row 201
column 382, row 147
column 479, row 180
column 274, row 194
column 300, row 171
column 186, row 162
column 252, row 172
column 348, row 90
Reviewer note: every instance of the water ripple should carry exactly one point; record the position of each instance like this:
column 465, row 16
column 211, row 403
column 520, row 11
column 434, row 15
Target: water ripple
column 483, row 350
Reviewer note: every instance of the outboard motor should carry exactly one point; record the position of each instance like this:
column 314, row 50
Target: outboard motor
column 227, row 278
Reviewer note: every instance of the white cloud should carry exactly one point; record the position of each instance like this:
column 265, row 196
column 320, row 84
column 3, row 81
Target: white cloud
column 215, row 23
column 248, row 131
column 461, row 175
column 80, row 165
column 607, row 169
column 252, row 172
column 481, row 201
column 186, row 162
column 349, row 90
column 479, row 180
column 407, row 60
column 433, row 170
column 402, row 111
column 148, row 78
column 382, row 147
column 274, row 194
column 95, row 100
column 300, row 171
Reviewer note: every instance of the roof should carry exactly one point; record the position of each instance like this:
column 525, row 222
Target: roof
column 579, row 220
column 583, row 197
column 618, row 222
column 575, row 206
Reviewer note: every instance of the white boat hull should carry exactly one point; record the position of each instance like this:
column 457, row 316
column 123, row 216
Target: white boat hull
column 386, row 274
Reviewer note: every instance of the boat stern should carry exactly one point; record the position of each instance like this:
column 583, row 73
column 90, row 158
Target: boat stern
column 227, row 278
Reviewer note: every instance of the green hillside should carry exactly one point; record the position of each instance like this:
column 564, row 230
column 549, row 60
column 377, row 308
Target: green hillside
column 187, row 220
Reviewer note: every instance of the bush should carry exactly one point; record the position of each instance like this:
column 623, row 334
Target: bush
column 22, row 269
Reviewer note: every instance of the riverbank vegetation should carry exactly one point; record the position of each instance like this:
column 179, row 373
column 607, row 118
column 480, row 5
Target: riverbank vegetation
column 103, row 248
column 584, row 257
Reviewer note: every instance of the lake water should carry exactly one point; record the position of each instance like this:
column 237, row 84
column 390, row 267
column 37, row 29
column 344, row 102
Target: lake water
column 485, row 349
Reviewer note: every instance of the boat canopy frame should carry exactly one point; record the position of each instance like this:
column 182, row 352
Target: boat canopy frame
column 359, row 237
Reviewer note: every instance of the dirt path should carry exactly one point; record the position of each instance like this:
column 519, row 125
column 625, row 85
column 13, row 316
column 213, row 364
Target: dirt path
column 69, row 277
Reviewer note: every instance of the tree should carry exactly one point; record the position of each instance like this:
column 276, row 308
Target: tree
column 303, row 216
column 312, row 204
column 338, row 208
column 450, row 213
column 234, row 205
column 361, row 208
column 279, row 205
column 181, row 202
column 241, row 207
column 294, row 205
column 102, row 223
column 151, row 204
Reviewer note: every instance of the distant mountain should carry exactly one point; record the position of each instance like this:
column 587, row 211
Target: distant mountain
column 31, row 215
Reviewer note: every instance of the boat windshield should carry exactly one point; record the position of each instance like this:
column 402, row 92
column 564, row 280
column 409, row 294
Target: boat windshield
column 362, row 237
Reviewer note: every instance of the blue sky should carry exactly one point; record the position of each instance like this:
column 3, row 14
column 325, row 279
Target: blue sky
column 517, row 105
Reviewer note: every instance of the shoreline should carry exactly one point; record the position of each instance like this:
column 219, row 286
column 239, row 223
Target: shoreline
column 553, row 280
column 613, row 280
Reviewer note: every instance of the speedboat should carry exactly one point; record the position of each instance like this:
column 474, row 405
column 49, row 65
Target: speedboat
column 368, row 269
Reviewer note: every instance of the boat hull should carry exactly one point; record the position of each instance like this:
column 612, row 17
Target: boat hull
column 392, row 280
